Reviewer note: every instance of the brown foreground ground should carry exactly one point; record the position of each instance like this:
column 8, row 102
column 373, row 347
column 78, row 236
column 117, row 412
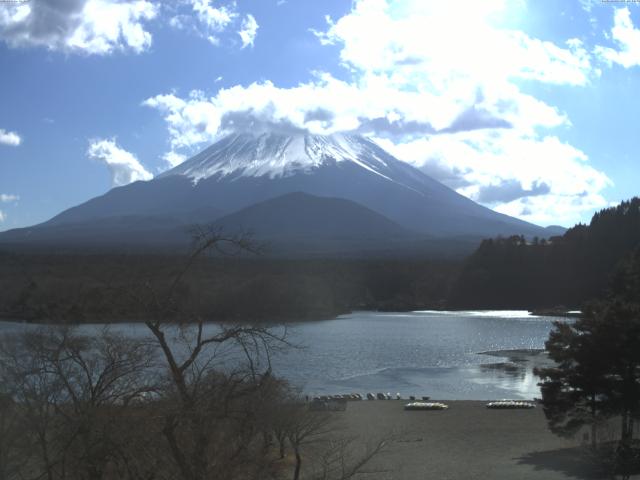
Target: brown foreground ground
column 467, row 441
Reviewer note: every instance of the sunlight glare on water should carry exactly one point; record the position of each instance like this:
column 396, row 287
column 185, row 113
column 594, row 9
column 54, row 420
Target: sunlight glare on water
column 444, row 355
column 418, row 353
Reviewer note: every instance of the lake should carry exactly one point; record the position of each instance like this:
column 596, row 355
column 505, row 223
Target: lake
column 473, row 355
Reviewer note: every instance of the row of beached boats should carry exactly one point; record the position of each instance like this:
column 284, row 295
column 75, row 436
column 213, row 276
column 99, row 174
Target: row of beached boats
column 497, row 405
column 426, row 406
column 511, row 404
column 414, row 404
column 369, row 396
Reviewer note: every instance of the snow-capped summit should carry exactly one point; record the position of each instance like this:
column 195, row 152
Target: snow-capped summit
column 277, row 155
column 286, row 185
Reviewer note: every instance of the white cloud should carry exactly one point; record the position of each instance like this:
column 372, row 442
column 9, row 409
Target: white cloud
column 438, row 89
column 248, row 31
column 587, row 5
column 80, row 26
column 7, row 197
column 627, row 39
column 435, row 37
column 215, row 18
column 538, row 178
column 328, row 105
column 174, row 159
column 206, row 20
column 124, row 166
column 212, row 19
column 9, row 138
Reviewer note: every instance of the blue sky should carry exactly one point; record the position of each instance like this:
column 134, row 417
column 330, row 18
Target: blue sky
column 529, row 107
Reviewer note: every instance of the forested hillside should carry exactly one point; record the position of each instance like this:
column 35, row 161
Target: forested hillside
column 564, row 271
column 90, row 288
column 506, row 273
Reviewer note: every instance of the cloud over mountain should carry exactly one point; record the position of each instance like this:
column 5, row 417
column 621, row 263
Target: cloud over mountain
column 124, row 166
column 6, row 198
column 444, row 95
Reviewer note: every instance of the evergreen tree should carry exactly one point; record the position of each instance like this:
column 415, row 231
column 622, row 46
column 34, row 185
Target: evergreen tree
column 572, row 390
column 565, row 270
column 597, row 372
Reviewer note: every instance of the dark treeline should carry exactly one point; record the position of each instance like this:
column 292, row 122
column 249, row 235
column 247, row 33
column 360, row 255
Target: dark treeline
column 563, row 271
column 96, row 288
column 187, row 401
column 509, row 272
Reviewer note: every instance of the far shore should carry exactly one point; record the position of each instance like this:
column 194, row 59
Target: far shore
column 312, row 317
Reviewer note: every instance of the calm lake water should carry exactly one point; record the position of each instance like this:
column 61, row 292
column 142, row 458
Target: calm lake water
column 475, row 355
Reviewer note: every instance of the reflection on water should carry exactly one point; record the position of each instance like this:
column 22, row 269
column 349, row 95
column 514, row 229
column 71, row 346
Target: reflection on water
column 446, row 355
column 516, row 374
column 516, row 381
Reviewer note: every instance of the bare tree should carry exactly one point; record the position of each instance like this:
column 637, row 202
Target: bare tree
column 10, row 437
column 210, row 408
column 71, row 391
column 219, row 418
column 318, row 436
column 304, row 428
column 192, row 400
column 343, row 458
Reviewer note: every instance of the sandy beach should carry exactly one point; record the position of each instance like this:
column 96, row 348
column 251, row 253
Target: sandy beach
column 467, row 441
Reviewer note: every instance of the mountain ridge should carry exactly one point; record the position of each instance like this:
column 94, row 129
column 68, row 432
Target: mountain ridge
column 242, row 170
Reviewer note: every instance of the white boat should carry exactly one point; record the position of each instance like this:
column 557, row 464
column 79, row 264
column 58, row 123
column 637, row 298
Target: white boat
column 425, row 406
column 510, row 404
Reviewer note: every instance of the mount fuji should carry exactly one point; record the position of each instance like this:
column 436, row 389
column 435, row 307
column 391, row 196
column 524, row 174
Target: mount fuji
column 301, row 189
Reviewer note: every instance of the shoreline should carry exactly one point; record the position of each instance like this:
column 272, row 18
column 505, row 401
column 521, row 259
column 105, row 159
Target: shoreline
column 13, row 318
column 495, row 369
column 415, row 363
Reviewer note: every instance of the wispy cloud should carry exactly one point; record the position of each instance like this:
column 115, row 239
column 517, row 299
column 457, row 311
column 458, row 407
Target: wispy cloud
column 174, row 159
column 627, row 39
column 6, row 198
column 248, row 31
column 205, row 19
column 123, row 165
